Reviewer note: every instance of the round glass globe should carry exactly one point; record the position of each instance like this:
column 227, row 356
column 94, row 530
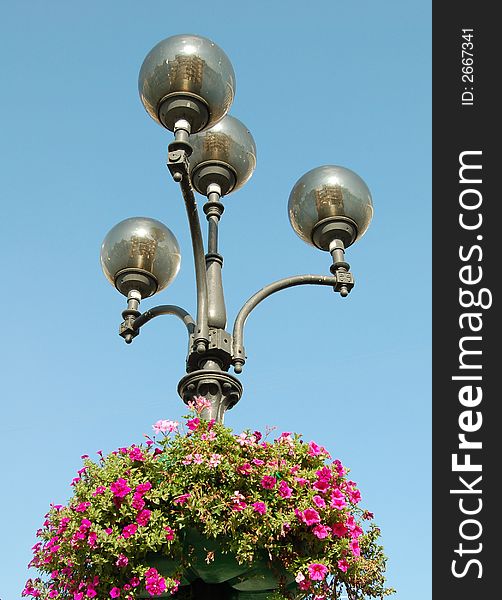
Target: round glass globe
column 227, row 143
column 141, row 243
column 327, row 192
column 188, row 66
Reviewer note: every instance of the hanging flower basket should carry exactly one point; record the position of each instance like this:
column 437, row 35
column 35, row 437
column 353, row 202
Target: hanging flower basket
column 209, row 514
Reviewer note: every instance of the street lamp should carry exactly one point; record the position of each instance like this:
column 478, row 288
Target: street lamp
column 187, row 85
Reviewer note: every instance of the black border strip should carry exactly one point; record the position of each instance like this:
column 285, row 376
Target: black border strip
column 465, row 300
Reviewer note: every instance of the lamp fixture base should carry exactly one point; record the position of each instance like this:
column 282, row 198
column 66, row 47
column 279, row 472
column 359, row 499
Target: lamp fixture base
column 221, row 389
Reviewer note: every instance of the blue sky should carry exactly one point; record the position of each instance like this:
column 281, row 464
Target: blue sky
column 328, row 82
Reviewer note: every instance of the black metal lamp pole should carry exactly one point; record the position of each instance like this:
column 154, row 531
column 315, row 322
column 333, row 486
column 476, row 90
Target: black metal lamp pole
column 187, row 85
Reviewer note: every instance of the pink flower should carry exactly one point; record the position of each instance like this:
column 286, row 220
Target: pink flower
column 300, row 577
column 215, row 460
column 155, row 584
column 354, row 496
column 91, row 592
column 108, row 531
column 321, row 531
column 354, row 546
column 337, row 499
column 135, row 454
column 340, row 469
column 268, row 482
column 319, row 502
column 129, row 530
column 339, row 529
column 317, row 571
column 91, row 540
column 284, row 490
column 82, row 507
column 181, row 499
column 260, row 507
column 142, row 488
column 244, row 469
column 199, row 403
column 258, row 462
column 115, row 592
column 198, row 459
column 169, row 533
column 310, row 516
column 314, row 449
column 301, row 481
column 164, row 426
column 192, row 424
column 143, row 517
column 78, row 595
column 120, row 488
column 122, row 560
column 321, row 485
column 134, row 582
column 343, row 565
column 99, row 490
column 137, row 501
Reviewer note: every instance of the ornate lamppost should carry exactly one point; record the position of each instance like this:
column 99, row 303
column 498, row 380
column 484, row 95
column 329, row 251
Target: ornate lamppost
column 187, row 85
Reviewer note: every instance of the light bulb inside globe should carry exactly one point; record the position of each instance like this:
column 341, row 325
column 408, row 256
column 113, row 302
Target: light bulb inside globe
column 140, row 254
column 187, row 77
column 224, row 154
column 330, row 203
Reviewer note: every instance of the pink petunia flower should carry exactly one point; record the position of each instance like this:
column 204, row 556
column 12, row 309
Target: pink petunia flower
column 309, row 516
column 337, row 499
column 284, row 490
column 120, row 488
column 354, row 546
column 115, row 592
column 321, row 531
column 317, row 571
column 339, row 529
column 122, row 561
column 259, row 507
column 343, row 565
column 142, row 488
column 319, row 502
column 137, row 501
column 143, row 517
column 268, row 482
column 135, row 454
column 129, row 530
column 169, row 533
column 244, row 469
column 192, row 424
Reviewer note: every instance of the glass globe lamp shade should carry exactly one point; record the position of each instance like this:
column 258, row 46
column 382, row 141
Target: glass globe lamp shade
column 187, row 77
column 140, row 252
column 330, row 195
column 227, row 145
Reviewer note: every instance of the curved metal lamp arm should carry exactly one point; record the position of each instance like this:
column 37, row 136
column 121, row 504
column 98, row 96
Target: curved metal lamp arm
column 165, row 309
column 178, row 165
column 238, row 354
